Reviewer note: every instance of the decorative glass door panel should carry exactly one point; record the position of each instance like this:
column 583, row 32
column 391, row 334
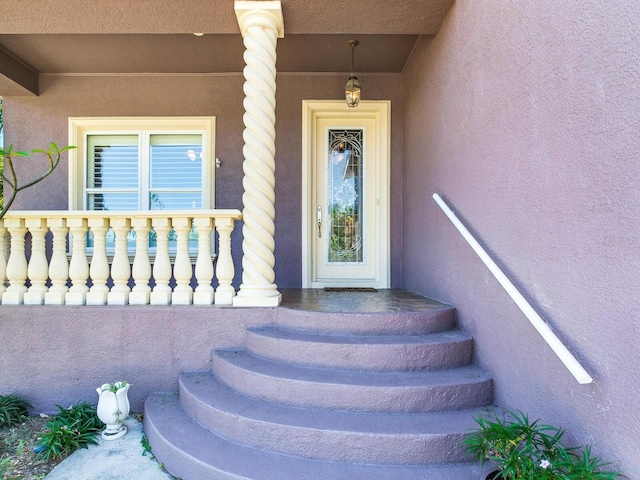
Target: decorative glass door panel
column 345, row 206
column 344, row 194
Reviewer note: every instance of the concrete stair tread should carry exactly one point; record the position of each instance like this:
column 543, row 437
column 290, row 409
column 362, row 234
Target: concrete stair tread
column 420, row 339
column 462, row 375
column 192, row 452
column 437, row 319
column 382, row 301
column 342, row 350
column 206, row 389
column 352, row 389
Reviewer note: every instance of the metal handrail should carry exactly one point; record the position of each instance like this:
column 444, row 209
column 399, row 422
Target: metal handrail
column 539, row 324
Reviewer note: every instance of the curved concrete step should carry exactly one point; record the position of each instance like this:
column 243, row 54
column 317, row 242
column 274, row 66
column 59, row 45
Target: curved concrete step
column 449, row 349
column 275, row 382
column 191, row 452
column 339, row 436
column 439, row 317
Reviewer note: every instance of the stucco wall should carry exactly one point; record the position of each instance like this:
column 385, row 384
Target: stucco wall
column 524, row 117
column 60, row 355
column 33, row 122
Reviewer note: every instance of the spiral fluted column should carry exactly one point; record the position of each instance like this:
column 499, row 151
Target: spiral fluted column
column 261, row 24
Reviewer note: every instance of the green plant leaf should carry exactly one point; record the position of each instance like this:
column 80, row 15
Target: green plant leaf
column 13, row 409
column 72, row 428
column 530, row 450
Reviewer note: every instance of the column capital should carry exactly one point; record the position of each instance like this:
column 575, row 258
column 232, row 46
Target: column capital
column 265, row 14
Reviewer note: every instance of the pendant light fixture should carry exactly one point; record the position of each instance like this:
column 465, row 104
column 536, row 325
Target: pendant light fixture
column 352, row 88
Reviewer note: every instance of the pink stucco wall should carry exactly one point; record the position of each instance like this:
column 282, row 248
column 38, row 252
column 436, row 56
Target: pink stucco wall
column 33, row 122
column 524, row 117
column 60, row 355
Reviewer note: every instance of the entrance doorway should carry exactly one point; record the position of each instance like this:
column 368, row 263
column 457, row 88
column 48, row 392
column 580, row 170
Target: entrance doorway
column 345, row 212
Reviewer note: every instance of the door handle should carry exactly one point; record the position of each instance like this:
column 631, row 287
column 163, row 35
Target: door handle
column 319, row 221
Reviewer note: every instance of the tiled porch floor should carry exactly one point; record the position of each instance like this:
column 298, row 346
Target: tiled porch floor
column 382, row 301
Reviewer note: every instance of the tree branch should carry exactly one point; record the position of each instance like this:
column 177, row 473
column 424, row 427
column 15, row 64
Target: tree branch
column 53, row 154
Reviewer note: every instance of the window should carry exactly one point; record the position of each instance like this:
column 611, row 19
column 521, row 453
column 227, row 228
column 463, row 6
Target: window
column 141, row 163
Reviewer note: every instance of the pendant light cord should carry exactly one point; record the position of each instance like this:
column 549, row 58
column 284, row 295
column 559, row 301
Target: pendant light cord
column 353, row 44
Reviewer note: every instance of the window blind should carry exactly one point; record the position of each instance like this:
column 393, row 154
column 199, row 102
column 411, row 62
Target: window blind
column 113, row 162
column 165, row 173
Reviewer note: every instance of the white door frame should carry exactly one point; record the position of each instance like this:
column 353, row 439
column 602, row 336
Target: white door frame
column 380, row 110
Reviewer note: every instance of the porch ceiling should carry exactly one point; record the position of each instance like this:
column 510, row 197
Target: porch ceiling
column 186, row 53
column 156, row 36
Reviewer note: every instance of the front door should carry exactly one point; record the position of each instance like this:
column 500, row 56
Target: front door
column 347, row 195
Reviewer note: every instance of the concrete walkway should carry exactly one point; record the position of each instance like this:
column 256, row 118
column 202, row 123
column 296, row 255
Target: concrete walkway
column 119, row 459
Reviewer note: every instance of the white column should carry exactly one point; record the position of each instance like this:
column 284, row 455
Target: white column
column 204, row 266
column 161, row 294
column 141, row 292
column 224, row 263
column 38, row 270
column 99, row 269
column 58, row 266
column 17, row 264
column 79, row 266
column 3, row 258
column 182, row 270
column 120, row 268
column 261, row 24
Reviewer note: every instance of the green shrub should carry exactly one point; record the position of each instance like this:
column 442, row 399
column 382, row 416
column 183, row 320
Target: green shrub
column 72, row 428
column 13, row 409
column 522, row 449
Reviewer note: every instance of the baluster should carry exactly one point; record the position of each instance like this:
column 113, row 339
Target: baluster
column 141, row 292
column 79, row 266
column 161, row 294
column 17, row 264
column 204, row 266
column 3, row 258
column 182, row 270
column 224, row 262
column 38, row 270
column 99, row 269
column 59, row 266
column 120, row 269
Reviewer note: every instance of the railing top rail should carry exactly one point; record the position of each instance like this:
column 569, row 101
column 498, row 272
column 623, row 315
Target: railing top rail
column 539, row 324
column 216, row 213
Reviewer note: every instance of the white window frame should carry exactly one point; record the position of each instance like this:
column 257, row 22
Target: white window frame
column 81, row 127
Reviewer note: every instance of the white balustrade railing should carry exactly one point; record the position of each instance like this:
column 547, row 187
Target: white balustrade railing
column 119, row 266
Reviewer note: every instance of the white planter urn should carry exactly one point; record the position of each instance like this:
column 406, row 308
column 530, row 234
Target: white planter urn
column 113, row 408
